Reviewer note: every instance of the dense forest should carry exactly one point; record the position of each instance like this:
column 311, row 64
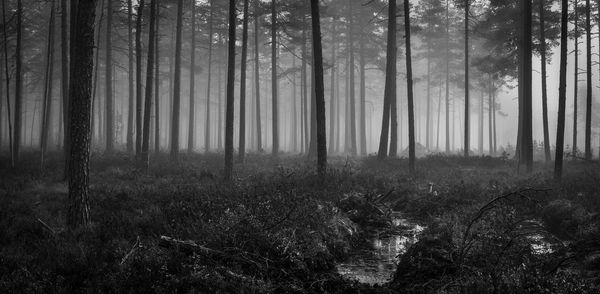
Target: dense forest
column 300, row 146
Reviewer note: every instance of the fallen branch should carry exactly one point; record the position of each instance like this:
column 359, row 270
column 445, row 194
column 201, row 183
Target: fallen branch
column 47, row 227
column 135, row 247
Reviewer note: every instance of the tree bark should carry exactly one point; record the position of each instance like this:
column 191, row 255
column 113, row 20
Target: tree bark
column 447, row 77
column 319, row 88
column 562, row 91
column 242, row 131
column 192, row 113
column 110, row 123
column 149, row 78
column 274, row 80
column 544, row 81
column 64, row 45
column 588, row 109
column 19, row 83
column 409, row 84
column 209, row 76
column 352, row 86
column 157, row 83
column 47, row 107
column 525, row 91
column 390, row 80
column 177, row 85
column 333, row 92
column 575, row 80
column 257, row 78
column 130, row 77
column 467, row 133
column 78, row 212
column 230, row 99
column 138, row 82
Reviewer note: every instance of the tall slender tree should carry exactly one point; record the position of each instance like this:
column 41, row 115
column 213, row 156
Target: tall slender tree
column 525, row 91
column 192, row 106
column 351, row 85
column 149, row 78
column 64, row 46
column 242, row 131
column 7, row 76
column 467, row 49
column 588, row 108
column 274, row 80
column 230, row 99
column 19, row 82
column 257, row 76
column 543, row 60
column 177, row 85
column 110, row 140
column 138, row 74
column 409, row 85
column 562, row 91
column 47, row 108
column 130, row 77
column 209, row 76
column 78, row 211
column 157, row 82
column 390, row 80
column 576, row 79
column 319, row 88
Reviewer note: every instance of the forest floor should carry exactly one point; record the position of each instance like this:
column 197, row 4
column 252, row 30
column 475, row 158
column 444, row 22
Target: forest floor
column 280, row 227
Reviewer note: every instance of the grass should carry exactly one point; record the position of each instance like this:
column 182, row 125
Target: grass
column 281, row 227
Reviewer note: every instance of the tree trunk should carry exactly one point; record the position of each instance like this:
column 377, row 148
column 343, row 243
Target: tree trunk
column 64, row 45
column 390, row 80
column 157, row 83
column 363, row 97
column 78, row 213
column 257, row 78
column 138, row 82
column 230, row 99
column 109, row 83
column 209, row 76
column 192, row 113
column 480, row 124
column 306, row 134
column 409, row 84
column 149, row 78
column 332, row 98
column 428, row 110
column 177, row 85
column 294, row 124
column 575, row 80
column 319, row 88
column 130, row 77
column 467, row 133
column 242, row 131
column 274, row 81
column 447, row 77
column 525, row 91
column 19, row 82
column 588, row 109
column 7, row 76
column 352, row 86
column 544, row 82
column 490, row 106
column 47, row 107
column 562, row 91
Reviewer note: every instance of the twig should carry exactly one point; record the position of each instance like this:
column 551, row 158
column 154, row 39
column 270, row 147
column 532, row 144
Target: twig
column 47, row 227
column 132, row 251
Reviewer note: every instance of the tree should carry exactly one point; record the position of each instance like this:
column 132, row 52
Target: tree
column 157, row 83
column 542, row 19
column 64, row 46
column 274, row 80
column 319, row 88
column 130, row 77
column 192, row 113
column 351, row 85
column 149, row 77
column 242, row 140
column 229, row 90
column 7, row 75
column 78, row 211
column 588, row 110
column 467, row 132
column 409, row 85
column 209, row 75
column 138, row 84
column 177, row 84
column 47, row 108
column 19, row 82
column 257, row 77
column 109, row 82
column 562, row 91
column 390, row 80
column 525, row 95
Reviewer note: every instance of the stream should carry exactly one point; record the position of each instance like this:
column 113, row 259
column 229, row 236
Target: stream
column 377, row 265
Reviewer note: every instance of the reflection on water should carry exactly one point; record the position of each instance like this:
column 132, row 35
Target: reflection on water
column 377, row 266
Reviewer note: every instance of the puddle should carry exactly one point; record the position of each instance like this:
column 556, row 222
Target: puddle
column 378, row 265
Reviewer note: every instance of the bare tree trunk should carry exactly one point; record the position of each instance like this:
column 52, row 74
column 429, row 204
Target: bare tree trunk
column 130, row 77
column 447, row 77
column 428, row 110
column 47, row 107
column 274, row 80
column 294, row 124
column 242, row 131
column 209, row 76
column 525, row 87
column 576, row 80
column 544, row 81
column 409, row 84
column 138, row 82
column 192, row 113
column 352, row 86
column 177, row 85
column 257, row 78
column 480, row 124
column 390, row 80
column 157, row 83
column 439, row 109
column 230, row 95
column 467, row 132
column 305, row 89
column 145, row 158
column 64, row 45
column 490, row 107
column 19, row 82
column 588, row 109
column 319, row 88
column 363, row 96
column 109, row 83
column 333, row 92
column 562, row 91
column 78, row 212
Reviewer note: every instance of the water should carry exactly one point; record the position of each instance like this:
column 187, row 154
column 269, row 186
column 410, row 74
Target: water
column 376, row 266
